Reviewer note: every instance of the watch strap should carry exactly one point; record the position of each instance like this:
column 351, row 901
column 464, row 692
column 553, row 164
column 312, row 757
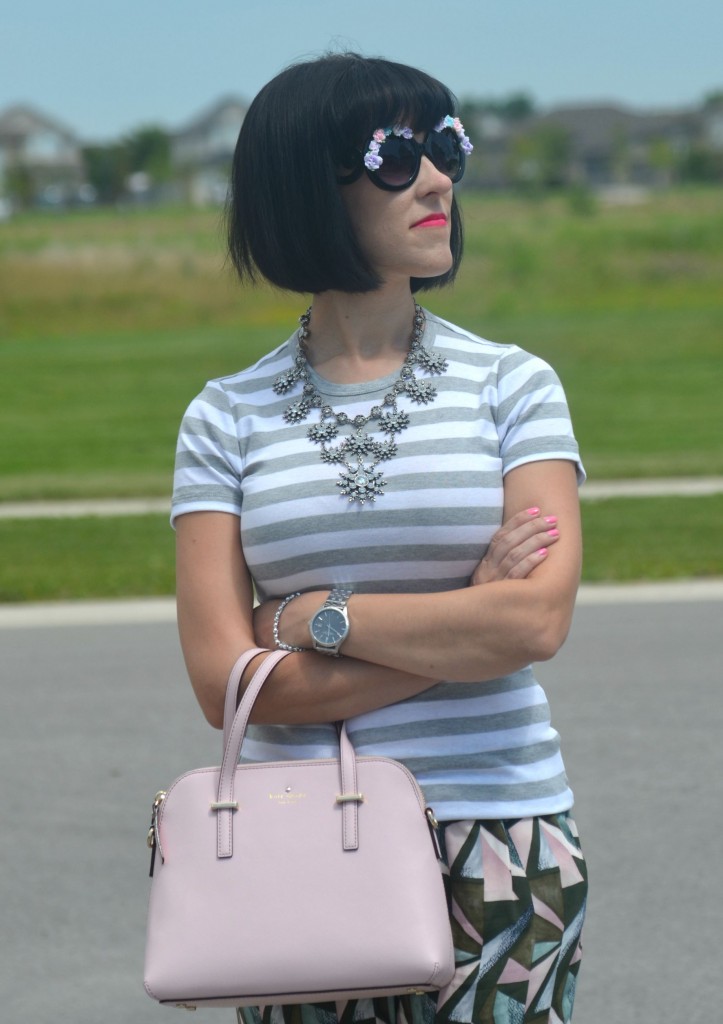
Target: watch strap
column 338, row 597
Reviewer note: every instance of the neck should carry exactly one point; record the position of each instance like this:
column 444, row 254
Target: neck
column 355, row 337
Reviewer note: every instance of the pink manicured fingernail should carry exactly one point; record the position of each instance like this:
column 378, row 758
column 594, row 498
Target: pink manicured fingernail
column 533, row 511
column 551, row 520
column 541, row 553
column 553, row 533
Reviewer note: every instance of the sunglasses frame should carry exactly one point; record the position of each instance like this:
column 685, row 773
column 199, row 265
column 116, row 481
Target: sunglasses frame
column 419, row 150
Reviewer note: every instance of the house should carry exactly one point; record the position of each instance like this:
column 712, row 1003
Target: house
column 597, row 145
column 40, row 159
column 612, row 145
column 202, row 151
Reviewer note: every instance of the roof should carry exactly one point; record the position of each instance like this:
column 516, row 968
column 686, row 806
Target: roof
column 595, row 126
column 227, row 107
column 22, row 120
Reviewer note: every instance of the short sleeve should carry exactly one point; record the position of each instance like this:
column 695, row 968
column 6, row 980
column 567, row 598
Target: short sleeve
column 533, row 418
column 209, row 466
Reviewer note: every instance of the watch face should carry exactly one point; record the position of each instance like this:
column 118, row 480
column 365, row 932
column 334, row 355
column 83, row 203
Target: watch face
column 329, row 626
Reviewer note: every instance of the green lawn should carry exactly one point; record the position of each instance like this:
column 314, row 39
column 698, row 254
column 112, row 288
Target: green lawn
column 111, row 321
column 132, row 556
column 60, row 559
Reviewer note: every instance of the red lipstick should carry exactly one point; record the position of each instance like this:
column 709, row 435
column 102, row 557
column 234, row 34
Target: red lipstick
column 432, row 220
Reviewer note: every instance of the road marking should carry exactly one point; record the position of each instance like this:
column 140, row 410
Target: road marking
column 144, row 611
column 78, row 509
column 88, row 613
column 651, row 593
column 685, row 487
column 592, row 491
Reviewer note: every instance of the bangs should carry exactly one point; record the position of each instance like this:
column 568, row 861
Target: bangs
column 374, row 93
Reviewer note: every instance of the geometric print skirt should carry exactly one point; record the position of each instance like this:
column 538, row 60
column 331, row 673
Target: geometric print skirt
column 517, row 892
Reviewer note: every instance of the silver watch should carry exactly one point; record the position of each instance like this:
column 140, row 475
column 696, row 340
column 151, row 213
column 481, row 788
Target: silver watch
column 329, row 627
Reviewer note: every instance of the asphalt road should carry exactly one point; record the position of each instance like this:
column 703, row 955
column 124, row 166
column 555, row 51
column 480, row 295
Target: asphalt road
column 94, row 719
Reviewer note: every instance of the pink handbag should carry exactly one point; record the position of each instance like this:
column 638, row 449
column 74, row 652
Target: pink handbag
column 293, row 881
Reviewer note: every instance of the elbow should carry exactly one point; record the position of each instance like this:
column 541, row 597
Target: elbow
column 213, row 715
column 210, row 689
column 211, row 700
column 552, row 625
column 550, row 637
column 547, row 646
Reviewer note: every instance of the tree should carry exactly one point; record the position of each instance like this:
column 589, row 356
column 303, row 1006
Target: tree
column 663, row 159
column 713, row 100
column 149, row 150
column 516, row 107
column 19, row 185
column 701, row 164
column 107, row 169
column 540, row 158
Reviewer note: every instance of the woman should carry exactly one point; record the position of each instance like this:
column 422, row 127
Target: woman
column 402, row 493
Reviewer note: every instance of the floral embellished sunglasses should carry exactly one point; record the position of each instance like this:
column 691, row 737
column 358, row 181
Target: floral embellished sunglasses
column 394, row 156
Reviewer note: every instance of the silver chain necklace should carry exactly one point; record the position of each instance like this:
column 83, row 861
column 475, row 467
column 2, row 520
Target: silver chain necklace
column 359, row 453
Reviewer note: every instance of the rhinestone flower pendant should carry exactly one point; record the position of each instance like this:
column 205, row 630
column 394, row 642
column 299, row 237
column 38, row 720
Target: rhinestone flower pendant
column 361, row 484
column 432, row 362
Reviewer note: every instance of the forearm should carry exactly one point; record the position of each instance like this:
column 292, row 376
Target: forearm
column 467, row 635
column 303, row 688
column 310, row 688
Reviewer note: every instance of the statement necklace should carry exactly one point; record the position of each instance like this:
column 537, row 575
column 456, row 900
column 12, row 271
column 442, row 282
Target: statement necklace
column 359, row 453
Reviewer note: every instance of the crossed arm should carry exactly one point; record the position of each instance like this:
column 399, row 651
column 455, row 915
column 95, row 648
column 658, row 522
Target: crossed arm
column 517, row 609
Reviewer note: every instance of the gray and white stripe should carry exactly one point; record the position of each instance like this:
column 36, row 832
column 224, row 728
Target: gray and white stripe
column 478, row 750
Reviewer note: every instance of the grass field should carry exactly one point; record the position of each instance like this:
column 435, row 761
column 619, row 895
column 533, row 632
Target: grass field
column 132, row 556
column 110, row 321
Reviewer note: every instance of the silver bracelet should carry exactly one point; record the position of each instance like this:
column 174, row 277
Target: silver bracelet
column 277, row 619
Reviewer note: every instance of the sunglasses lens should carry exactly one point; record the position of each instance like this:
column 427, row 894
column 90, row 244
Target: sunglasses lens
column 443, row 150
column 400, row 157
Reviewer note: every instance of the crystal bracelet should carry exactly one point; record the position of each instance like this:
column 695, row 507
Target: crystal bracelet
column 277, row 619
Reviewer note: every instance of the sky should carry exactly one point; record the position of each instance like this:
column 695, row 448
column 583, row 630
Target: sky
column 106, row 68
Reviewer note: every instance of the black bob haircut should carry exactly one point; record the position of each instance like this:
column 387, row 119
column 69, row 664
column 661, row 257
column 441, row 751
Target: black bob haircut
column 285, row 216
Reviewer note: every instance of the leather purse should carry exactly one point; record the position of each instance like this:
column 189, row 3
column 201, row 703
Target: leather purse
column 293, row 881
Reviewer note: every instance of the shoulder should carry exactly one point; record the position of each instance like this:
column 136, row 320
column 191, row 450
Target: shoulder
column 258, row 377
column 240, row 393
column 500, row 362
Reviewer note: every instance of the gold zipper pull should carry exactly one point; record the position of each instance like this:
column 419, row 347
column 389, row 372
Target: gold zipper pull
column 153, row 838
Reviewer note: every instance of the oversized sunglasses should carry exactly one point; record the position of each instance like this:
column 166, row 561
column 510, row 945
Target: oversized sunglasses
column 394, row 156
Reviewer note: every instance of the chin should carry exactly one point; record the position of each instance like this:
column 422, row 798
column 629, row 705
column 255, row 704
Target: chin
column 434, row 268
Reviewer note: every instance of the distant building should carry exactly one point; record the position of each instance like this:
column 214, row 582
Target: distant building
column 201, row 152
column 40, row 159
column 605, row 146
column 597, row 145
column 611, row 145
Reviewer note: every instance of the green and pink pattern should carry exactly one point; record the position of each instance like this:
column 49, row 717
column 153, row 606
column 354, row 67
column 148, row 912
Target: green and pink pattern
column 517, row 893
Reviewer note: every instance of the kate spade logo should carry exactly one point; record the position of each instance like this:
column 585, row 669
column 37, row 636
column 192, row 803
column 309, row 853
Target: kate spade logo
column 288, row 796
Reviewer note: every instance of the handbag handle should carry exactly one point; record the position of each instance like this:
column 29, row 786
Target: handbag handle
column 235, row 723
column 234, row 679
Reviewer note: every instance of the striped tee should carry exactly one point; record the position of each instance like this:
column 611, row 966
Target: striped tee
column 483, row 750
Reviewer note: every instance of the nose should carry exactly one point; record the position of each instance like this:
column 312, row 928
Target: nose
column 431, row 179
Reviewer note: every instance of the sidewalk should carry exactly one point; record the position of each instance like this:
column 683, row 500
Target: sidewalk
column 149, row 610
column 591, row 491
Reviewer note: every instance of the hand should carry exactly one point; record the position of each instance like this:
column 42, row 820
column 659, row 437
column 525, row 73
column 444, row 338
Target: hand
column 293, row 626
column 264, row 623
column 517, row 548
